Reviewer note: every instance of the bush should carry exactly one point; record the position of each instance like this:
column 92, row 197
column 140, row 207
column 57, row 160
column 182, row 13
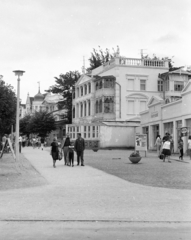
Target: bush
column 135, row 154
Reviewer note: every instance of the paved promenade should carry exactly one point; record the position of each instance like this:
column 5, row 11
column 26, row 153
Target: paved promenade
column 78, row 195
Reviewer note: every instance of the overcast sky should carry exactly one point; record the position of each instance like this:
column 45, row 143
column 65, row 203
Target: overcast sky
column 48, row 37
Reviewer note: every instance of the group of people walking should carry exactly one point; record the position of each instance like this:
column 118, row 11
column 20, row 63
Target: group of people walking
column 67, row 150
column 165, row 147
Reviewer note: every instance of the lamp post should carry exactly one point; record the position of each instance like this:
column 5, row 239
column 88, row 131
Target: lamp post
column 17, row 73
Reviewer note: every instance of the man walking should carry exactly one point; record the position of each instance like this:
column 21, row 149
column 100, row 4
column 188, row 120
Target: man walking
column 79, row 147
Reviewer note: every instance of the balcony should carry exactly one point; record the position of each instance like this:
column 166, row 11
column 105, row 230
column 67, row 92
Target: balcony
column 144, row 62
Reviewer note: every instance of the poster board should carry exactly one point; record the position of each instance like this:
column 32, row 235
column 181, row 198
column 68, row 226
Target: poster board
column 8, row 143
column 3, row 149
column 141, row 142
column 11, row 147
column 184, row 131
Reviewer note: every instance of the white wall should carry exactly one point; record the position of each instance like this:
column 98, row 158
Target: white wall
column 111, row 136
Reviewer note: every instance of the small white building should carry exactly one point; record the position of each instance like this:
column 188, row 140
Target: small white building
column 169, row 114
column 108, row 101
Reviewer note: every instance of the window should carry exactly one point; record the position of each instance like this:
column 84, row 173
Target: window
column 89, row 108
column 100, row 84
column 97, row 85
column 160, row 86
column 97, row 131
column 85, row 89
column 178, row 86
column 100, row 105
column 89, row 86
column 73, row 113
column 93, row 132
column 108, row 105
column 81, row 91
column 84, row 108
column 130, row 84
column 89, row 131
column 84, row 131
column 108, row 83
column 73, row 132
column 143, row 85
column 97, row 106
column 130, row 107
column 81, row 110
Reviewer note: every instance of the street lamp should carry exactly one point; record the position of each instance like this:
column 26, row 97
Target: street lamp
column 17, row 73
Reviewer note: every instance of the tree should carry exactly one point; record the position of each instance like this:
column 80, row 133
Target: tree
column 8, row 102
column 65, row 86
column 24, row 125
column 99, row 57
column 41, row 123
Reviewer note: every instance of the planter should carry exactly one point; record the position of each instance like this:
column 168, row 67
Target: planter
column 135, row 159
column 95, row 149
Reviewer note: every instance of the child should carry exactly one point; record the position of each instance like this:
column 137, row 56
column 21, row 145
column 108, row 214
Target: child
column 71, row 155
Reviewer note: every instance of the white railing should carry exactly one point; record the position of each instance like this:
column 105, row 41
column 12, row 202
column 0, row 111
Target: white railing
column 141, row 62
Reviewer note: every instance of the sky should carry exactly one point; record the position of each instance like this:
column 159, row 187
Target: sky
column 46, row 38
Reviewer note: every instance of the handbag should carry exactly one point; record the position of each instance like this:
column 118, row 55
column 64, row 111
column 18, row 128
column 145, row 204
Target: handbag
column 161, row 156
column 59, row 155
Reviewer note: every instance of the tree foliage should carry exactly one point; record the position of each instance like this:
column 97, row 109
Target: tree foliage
column 41, row 123
column 99, row 57
column 24, row 125
column 8, row 103
column 64, row 86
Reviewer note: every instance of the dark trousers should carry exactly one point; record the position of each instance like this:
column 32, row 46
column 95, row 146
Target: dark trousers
column 20, row 146
column 80, row 156
column 71, row 158
column 181, row 153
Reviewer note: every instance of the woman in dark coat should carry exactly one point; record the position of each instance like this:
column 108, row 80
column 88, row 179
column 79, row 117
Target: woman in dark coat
column 54, row 151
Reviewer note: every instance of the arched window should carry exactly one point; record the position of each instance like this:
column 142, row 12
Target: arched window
column 97, row 106
column 100, row 105
column 73, row 112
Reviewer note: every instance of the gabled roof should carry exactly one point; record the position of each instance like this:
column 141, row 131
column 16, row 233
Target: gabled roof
column 179, row 71
column 155, row 99
column 83, row 79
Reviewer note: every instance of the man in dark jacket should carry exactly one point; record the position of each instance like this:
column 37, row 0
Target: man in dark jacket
column 79, row 147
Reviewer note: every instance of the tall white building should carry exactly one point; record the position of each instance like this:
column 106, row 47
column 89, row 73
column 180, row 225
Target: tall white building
column 107, row 103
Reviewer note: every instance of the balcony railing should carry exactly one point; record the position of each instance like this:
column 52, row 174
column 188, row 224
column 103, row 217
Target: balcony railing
column 142, row 62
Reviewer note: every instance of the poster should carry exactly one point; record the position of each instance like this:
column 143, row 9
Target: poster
column 141, row 142
column 184, row 131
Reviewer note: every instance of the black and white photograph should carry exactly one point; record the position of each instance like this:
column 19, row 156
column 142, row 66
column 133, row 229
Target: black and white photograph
column 95, row 119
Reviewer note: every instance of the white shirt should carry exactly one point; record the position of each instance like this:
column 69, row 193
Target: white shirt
column 20, row 139
column 189, row 143
column 166, row 145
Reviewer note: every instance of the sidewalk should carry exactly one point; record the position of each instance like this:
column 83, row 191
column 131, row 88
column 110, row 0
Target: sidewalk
column 85, row 193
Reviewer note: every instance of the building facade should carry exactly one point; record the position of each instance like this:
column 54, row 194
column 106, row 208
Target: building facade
column 171, row 113
column 49, row 103
column 113, row 95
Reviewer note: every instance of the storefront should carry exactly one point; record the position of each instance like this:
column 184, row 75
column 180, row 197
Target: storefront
column 169, row 118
